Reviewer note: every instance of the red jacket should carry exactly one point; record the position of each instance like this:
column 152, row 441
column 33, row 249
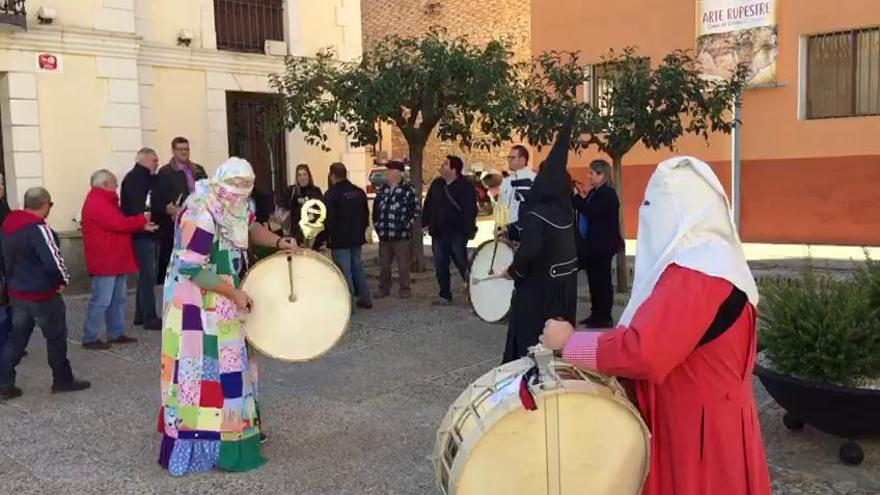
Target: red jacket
column 107, row 234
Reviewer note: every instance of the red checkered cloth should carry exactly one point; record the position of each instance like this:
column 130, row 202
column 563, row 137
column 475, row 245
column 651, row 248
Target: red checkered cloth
column 581, row 349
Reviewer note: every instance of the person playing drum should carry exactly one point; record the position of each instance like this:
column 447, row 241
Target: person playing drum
column 545, row 265
column 209, row 416
column 687, row 339
column 515, row 189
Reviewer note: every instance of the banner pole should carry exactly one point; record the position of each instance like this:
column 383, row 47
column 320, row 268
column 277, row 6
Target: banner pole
column 735, row 162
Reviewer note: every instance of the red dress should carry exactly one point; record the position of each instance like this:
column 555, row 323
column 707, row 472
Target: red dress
column 697, row 401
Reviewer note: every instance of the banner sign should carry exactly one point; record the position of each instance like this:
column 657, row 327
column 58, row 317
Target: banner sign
column 730, row 32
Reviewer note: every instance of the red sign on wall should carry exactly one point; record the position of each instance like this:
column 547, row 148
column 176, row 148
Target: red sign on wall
column 49, row 62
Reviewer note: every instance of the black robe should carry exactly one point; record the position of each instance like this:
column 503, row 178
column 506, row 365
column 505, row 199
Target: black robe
column 544, row 271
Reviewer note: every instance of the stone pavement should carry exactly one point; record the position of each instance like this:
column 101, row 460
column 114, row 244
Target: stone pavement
column 361, row 420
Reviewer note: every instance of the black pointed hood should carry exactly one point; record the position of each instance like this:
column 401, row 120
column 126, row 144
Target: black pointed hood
column 553, row 183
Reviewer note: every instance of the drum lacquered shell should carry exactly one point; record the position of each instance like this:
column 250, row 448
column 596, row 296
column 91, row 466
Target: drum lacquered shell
column 585, row 437
column 490, row 299
column 309, row 326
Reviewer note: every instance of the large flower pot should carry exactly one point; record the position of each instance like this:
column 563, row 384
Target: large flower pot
column 849, row 413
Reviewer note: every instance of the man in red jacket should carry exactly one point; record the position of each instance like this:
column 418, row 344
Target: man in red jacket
column 109, row 258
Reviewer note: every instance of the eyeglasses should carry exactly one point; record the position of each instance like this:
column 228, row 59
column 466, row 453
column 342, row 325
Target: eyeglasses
column 181, row 149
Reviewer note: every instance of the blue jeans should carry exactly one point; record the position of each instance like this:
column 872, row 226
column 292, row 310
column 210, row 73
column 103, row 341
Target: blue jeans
column 107, row 305
column 146, row 250
column 51, row 316
column 5, row 324
column 349, row 262
column 445, row 248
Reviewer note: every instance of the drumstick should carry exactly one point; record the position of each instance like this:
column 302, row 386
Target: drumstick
column 494, row 252
column 290, row 272
column 497, row 276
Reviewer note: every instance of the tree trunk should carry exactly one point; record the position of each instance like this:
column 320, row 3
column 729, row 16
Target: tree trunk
column 417, row 254
column 622, row 267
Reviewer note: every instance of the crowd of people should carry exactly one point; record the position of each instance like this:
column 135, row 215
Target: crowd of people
column 192, row 234
column 134, row 231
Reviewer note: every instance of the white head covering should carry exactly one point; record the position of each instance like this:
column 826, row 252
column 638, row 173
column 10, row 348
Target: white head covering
column 686, row 219
column 227, row 202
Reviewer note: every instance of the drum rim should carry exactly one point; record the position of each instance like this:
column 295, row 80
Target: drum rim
column 615, row 393
column 470, row 270
column 308, row 253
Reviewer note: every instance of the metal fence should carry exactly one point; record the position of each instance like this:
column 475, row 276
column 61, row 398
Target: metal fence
column 245, row 25
column 843, row 74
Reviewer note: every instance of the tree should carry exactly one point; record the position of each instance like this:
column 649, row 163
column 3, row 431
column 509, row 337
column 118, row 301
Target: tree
column 637, row 103
column 423, row 86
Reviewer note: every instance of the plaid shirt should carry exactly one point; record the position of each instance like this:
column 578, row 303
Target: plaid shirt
column 394, row 211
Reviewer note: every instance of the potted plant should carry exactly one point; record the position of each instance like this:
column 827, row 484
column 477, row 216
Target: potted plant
column 820, row 353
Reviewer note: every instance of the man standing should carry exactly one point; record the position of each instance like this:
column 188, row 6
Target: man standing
column 450, row 215
column 137, row 189
column 5, row 312
column 174, row 183
column 35, row 275
column 515, row 190
column 109, row 258
column 394, row 212
column 348, row 217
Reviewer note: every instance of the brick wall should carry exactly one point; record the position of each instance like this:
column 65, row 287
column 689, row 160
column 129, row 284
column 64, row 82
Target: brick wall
column 479, row 20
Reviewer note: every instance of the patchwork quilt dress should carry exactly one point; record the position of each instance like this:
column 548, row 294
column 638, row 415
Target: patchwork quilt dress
column 209, row 415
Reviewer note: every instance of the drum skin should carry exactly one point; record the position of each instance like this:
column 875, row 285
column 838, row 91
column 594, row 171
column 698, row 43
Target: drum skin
column 490, row 299
column 306, row 328
column 584, row 438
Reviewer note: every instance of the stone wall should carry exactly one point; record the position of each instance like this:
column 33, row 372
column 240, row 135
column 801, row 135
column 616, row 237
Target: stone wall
column 479, row 20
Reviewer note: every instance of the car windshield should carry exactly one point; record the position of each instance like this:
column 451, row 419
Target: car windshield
column 377, row 176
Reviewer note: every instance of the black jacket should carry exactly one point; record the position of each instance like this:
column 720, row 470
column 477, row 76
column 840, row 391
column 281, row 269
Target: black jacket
column 348, row 215
column 137, row 188
column 171, row 187
column 4, row 211
column 296, row 196
column 601, row 208
column 451, row 209
column 33, row 264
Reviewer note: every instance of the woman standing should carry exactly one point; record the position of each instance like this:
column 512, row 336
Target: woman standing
column 209, row 416
column 302, row 190
column 598, row 240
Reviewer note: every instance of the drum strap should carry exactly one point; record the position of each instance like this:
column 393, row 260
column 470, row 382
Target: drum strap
column 727, row 315
column 525, row 395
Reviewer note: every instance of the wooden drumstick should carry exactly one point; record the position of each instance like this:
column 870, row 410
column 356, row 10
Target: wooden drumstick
column 494, row 252
column 292, row 298
column 476, row 281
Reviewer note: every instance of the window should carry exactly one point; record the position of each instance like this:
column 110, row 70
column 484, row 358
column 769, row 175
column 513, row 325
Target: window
column 245, row 25
column 843, row 74
column 599, row 83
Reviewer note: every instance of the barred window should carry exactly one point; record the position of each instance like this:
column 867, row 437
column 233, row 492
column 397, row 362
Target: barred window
column 245, row 25
column 600, row 81
column 843, row 74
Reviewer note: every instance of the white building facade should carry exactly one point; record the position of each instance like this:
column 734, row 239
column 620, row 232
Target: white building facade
column 86, row 83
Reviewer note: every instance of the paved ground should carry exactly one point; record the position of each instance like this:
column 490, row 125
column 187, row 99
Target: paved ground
column 359, row 421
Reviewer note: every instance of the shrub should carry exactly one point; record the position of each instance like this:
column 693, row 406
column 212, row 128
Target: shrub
column 823, row 329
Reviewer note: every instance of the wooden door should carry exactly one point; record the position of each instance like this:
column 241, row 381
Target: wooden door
column 254, row 136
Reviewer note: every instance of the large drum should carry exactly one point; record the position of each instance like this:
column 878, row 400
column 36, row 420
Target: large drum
column 301, row 307
column 490, row 297
column 584, row 437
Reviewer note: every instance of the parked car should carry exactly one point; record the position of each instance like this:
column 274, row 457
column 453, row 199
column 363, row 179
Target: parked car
column 376, row 179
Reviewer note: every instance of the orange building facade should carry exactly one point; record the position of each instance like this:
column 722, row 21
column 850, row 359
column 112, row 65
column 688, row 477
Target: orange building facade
column 805, row 177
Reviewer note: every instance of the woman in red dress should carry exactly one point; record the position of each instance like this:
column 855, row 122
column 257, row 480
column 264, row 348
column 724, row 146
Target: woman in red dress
column 686, row 339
